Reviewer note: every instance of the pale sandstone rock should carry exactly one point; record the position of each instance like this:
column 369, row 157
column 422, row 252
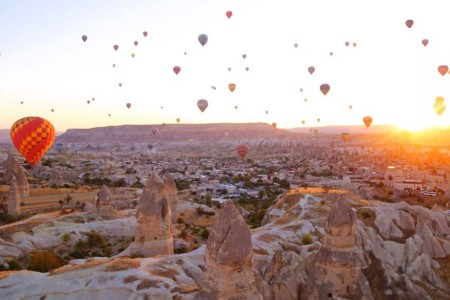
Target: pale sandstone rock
column 14, row 199
column 432, row 247
column 104, row 203
column 171, row 189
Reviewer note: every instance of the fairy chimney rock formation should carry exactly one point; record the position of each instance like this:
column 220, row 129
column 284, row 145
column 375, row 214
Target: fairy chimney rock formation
column 171, row 189
column 154, row 221
column 104, row 204
column 228, row 259
column 336, row 270
column 22, row 182
column 56, row 180
column 14, row 199
column 12, row 168
column 9, row 166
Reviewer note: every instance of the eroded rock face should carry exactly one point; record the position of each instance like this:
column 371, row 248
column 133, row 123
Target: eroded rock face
column 10, row 166
column 56, row 180
column 104, row 204
column 154, row 217
column 228, row 259
column 14, row 199
column 171, row 189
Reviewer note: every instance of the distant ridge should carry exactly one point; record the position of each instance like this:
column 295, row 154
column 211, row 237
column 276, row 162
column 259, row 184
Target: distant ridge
column 240, row 132
column 351, row 129
column 4, row 136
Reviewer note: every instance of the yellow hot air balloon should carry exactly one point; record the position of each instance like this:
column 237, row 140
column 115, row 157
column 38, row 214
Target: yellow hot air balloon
column 345, row 136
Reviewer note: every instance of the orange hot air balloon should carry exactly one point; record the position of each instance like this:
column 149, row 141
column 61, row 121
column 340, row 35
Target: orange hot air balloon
column 443, row 70
column 325, row 88
column 178, row 120
column 425, row 42
column 439, row 107
column 229, row 14
column 274, row 124
column 136, row 43
column 439, row 99
column 232, row 87
column 116, row 47
column 409, row 23
column 84, row 38
column 145, row 33
column 242, row 151
column 311, row 70
column 176, row 69
column 345, row 136
column 32, row 136
column 128, row 105
column 367, row 121
column 202, row 104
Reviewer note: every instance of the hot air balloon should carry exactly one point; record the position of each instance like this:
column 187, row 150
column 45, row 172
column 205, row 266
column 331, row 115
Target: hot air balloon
column 325, row 88
column 116, row 47
column 267, row 112
column 133, row 55
column 306, row 100
column 409, row 23
column 229, row 14
column 176, row 69
column 311, row 70
column 154, row 130
column 318, row 120
column 247, row 68
column 232, row 87
column 303, row 122
column 114, row 65
column 120, row 84
column 367, row 121
column 443, row 70
column 213, row 87
column 439, row 106
column 178, row 120
column 109, row 115
column 235, row 107
column 425, row 42
column 229, row 69
column 89, row 101
column 203, row 39
column 52, row 110
column 331, row 53
column 202, row 104
column 136, row 43
column 345, row 136
column 32, row 137
column 93, row 99
column 301, row 90
column 128, row 105
column 21, row 102
column 59, row 147
column 350, row 107
column 295, row 45
column 347, row 44
column 145, row 33
column 84, row 38
column 274, row 124
column 242, row 151
column 244, row 56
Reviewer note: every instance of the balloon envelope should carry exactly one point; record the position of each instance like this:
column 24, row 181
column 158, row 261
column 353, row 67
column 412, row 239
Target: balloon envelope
column 439, row 99
column 242, row 151
column 232, row 87
column 345, row 136
column 202, row 104
column 176, row 69
column 409, row 23
column 203, row 39
column 178, row 120
column 244, row 56
column 32, row 137
column 439, row 107
column 274, row 125
column 311, row 70
column 154, row 130
column 325, row 88
column 116, row 47
column 128, row 105
column 136, row 43
column 367, row 121
column 443, row 70
column 84, row 38
column 425, row 42
column 145, row 33
column 347, row 44
column 229, row 14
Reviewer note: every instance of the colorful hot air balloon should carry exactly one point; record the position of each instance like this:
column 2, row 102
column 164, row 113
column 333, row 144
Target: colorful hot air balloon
column 176, row 69
column 128, row 105
column 443, row 70
column 367, row 121
column 409, row 23
column 116, row 47
column 32, row 137
column 229, row 14
column 145, row 33
column 325, row 88
column 345, row 136
column 439, row 99
column 136, row 43
column 232, row 87
column 89, row 101
column 354, row 44
column 202, row 104
column 425, row 42
column 439, row 106
column 311, row 70
column 178, row 120
column 84, row 38
column 274, row 124
column 242, row 151
column 203, row 39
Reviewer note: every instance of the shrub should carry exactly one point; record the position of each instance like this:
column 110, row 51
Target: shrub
column 204, row 234
column 366, row 214
column 95, row 239
column 183, row 234
column 306, row 239
column 180, row 220
column 7, row 218
column 14, row 265
column 180, row 250
column 44, row 261
column 66, row 237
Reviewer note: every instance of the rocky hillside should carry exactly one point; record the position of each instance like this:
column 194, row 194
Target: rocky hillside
column 172, row 133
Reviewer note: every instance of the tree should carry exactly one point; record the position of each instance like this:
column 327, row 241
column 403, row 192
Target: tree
column 68, row 198
column 208, row 199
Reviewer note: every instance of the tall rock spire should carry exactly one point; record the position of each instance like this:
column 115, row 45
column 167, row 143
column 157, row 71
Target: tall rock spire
column 228, row 259
column 171, row 189
column 104, row 204
column 14, row 199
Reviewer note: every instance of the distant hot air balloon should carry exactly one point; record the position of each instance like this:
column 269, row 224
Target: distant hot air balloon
column 84, row 38
column 203, row 39
column 176, row 69
column 425, row 42
column 21, row 102
column 409, row 23
column 213, row 87
column 202, row 104
column 318, row 120
column 303, row 122
column 235, row 107
column 350, row 107
column 93, row 99
column 301, row 90
column 229, row 69
column 274, row 124
column 325, row 88
column 89, row 101
column 242, row 151
column 178, row 120
column 229, row 14
column 59, row 147
column 345, row 136
column 154, row 130
column 136, row 43
column 116, row 47
column 232, row 87
column 114, row 65
column 109, row 115
column 120, row 84
column 133, row 55
column 331, row 53
column 52, row 110
column 145, row 33
column 306, row 100
column 267, row 112
column 295, row 45
column 247, row 68
column 311, row 70
column 367, row 121
column 244, row 56
column 32, row 137
column 443, row 70
column 439, row 106
column 128, row 105
column 347, row 44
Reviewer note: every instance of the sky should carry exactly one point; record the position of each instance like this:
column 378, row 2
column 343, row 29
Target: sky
column 389, row 75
